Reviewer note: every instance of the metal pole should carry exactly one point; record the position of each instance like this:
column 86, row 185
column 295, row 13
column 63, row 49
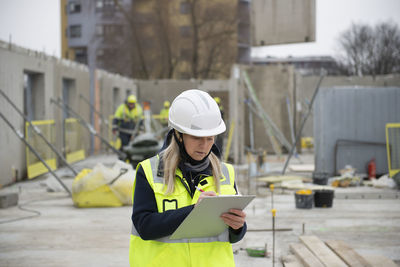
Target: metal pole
column 251, row 126
column 303, row 123
column 94, row 109
column 88, row 126
column 21, row 137
column 39, row 133
column 273, row 236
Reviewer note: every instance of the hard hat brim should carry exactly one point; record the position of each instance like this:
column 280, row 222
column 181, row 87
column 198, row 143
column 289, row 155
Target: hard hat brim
column 199, row 133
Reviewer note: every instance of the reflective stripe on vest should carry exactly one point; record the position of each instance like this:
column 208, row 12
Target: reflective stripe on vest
column 223, row 237
column 154, row 161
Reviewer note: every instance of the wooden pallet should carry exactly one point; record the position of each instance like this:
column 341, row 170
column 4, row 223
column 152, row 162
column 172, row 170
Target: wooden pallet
column 313, row 252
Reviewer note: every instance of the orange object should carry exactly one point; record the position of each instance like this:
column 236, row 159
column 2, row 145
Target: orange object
column 146, row 105
column 372, row 169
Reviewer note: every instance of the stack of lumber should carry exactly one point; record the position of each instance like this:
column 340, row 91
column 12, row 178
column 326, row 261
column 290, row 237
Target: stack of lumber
column 313, row 252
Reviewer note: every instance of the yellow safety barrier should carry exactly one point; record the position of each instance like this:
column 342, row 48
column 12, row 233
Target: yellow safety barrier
column 73, row 145
column 114, row 140
column 34, row 166
column 393, row 147
column 307, row 142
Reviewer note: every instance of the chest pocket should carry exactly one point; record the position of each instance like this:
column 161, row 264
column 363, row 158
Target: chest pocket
column 170, row 204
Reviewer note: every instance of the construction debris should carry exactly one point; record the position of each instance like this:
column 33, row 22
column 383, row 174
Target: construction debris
column 104, row 187
column 8, row 200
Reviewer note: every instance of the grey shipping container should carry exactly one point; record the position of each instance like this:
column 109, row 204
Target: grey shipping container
column 349, row 128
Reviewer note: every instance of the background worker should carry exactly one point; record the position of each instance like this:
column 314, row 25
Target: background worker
column 219, row 140
column 165, row 192
column 164, row 113
column 125, row 119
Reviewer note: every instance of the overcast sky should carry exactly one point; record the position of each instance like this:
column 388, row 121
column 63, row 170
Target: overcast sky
column 35, row 24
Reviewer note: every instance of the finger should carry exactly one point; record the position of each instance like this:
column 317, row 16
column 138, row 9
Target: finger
column 233, row 218
column 205, row 194
column 233, row 224
column 239, row 213
column 208, row 193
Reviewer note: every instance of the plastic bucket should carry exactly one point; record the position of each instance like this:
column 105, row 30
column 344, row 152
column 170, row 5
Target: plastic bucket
column 304, row 199
column 323, row 198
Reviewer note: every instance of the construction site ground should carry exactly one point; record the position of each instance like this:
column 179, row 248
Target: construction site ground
column 45, row 229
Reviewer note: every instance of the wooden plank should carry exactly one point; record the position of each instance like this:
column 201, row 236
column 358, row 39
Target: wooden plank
column 305, row 256
column 380, row 261
column 321, row 251
column 291, row 261
column 347, row 254
column 277, row 179
column 367, row 195
column 302, row 167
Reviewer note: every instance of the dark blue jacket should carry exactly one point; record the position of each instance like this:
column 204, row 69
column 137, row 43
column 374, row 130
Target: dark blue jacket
column 151, row 224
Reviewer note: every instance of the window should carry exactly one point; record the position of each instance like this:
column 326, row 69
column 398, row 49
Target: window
column 74, row 7
column 100, row 52
column 116, row 97
column 104, row 5
column 75, row 31
column 185, row 31
column 99, row 4
column 99, row 30
column 185, row 7
column 81, row 55
column 112, row 30
column 128, row 92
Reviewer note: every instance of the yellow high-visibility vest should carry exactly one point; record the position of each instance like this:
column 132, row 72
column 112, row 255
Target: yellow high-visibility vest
column 195, row 252
column 164, row 115
column 123, row 112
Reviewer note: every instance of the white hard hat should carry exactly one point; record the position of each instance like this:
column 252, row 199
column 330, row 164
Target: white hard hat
column 196, row 113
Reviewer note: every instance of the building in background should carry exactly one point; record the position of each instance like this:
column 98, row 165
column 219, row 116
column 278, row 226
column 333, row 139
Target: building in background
column 180, row 39
column 92, row 30
column 304, row 65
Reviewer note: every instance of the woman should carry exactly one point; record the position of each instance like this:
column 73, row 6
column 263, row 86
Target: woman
column 169, row 185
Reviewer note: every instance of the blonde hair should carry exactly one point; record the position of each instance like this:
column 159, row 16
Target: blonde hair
column 171, row 157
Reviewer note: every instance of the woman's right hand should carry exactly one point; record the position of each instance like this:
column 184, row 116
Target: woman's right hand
column 205, row 194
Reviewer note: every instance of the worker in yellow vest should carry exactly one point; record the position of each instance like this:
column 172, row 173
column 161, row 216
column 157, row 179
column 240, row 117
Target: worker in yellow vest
column 126, row 118
column 164, row 113
column 169, row 185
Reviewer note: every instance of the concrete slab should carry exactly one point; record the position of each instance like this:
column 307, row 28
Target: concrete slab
column 46, row 230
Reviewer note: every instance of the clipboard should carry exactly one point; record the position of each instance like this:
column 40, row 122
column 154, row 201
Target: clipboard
column 204, row 220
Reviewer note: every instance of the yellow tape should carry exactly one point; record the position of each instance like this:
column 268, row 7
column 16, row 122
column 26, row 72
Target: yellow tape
column 389, row 126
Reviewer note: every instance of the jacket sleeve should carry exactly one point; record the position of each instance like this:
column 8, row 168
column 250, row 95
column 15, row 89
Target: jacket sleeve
column 237, row 235
column 117, row 117
column 149, row 223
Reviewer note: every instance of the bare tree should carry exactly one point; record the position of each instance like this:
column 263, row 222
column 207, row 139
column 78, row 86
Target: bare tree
column 214, row 41
column 367, row 50
column 178, row 39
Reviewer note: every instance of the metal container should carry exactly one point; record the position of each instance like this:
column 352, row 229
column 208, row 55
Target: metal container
column 349, row 128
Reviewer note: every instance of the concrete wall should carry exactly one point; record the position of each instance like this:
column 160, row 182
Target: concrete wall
column 108, row 101
column 282, row 22
column 14, row 62
column 272, row 85
column 160, row 90
column 79, row 74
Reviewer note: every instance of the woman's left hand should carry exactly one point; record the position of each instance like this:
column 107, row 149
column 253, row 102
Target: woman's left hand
column 234, row 218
